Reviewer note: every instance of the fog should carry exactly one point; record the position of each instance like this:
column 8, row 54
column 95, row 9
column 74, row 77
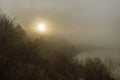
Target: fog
column 88, row 23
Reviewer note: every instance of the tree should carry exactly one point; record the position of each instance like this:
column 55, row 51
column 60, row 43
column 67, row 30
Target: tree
column 15, row 43
column 11, row 34
column 95, row 69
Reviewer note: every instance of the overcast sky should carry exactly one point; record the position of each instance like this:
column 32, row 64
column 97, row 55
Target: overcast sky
column 94, row 23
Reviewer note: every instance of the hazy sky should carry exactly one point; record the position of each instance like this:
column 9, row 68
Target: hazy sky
column 93, row 23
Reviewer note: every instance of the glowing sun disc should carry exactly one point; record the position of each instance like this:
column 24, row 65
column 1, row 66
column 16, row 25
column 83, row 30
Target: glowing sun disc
column 41, row 27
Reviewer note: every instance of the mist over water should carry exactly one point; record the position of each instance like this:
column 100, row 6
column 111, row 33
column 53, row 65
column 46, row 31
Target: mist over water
column 101, row 53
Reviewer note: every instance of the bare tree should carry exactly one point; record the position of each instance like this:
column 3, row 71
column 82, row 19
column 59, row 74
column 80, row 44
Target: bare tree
column 95, row 69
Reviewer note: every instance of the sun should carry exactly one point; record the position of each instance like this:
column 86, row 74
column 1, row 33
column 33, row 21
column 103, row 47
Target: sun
column 41, row 27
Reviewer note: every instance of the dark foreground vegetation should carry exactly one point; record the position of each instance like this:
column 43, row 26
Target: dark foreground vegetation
column 25, row 58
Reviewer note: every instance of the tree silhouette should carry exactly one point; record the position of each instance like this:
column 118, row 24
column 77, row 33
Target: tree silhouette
column 95, row 69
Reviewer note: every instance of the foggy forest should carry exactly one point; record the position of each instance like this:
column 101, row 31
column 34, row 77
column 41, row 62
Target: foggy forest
column 43, row 52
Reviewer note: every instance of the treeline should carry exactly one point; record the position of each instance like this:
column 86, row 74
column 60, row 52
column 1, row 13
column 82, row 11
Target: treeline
column 26, row 58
